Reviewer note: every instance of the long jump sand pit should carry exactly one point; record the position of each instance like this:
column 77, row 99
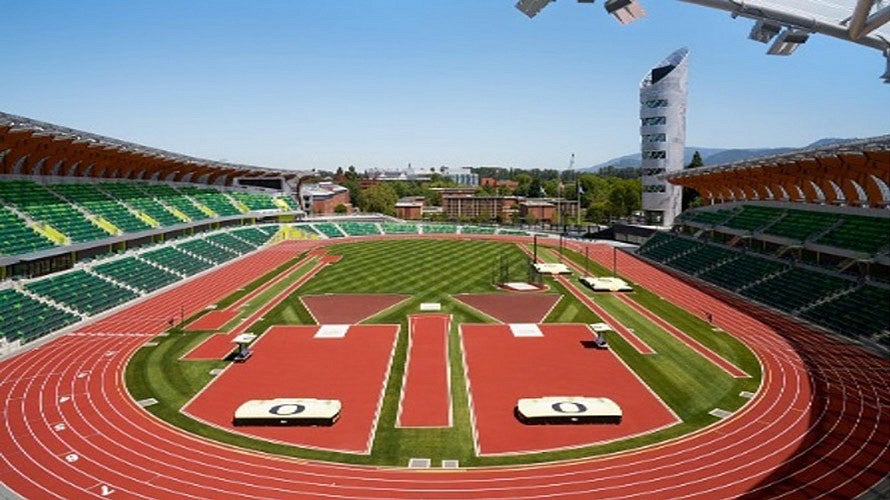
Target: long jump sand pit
column 502, row 368
column 292, row 362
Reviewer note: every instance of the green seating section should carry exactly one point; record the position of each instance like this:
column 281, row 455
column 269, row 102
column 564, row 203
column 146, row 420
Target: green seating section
column 231, row 243
column 269, row 229
column 477, row 230
column 24, row 318
column 16, row 237
column 737, row 273
column 212, row 199
column 174, row 199
column 702, row 258
column 208, row 251
column 134, row 196
column 795, row 289
column 82, row 291
column 859, row 233
column 359, row 228
column 800, row 224
column 861, row 313
column 256, row 201
column 753, row 217
column 439, row 229
column 328, row 229
column 291, row 205
column 252, row 235
column 709, row 217
column 398, row 228
column 99, row 203
column 42, row 205
column 136, row 273
column 178, row 261
column 662, row 247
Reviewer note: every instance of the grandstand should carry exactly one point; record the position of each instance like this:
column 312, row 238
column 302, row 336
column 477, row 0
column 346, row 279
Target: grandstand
column 822, row 257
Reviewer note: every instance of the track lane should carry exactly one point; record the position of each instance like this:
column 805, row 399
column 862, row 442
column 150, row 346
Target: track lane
column 727, row 459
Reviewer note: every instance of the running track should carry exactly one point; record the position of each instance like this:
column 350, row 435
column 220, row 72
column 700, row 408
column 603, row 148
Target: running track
column 819, row 426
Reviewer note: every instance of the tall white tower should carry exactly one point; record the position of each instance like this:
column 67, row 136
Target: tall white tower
column 663, row 135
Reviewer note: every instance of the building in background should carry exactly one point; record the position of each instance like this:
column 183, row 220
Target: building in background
column 323, row 198
column 663, row 136
column 410, row 208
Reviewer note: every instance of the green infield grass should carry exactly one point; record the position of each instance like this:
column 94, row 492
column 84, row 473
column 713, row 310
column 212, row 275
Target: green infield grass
column 433, row 270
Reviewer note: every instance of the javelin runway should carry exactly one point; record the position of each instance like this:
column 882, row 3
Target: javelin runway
column 819, row 426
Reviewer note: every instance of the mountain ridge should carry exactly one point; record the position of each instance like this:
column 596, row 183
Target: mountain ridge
column 713, row 156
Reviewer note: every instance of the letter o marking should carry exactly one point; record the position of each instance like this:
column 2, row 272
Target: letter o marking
column 568, row 407
column 287, row 409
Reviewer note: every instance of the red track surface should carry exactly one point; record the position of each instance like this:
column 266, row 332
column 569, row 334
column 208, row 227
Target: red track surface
column 818, row 427
column 426, row 388
column 214, row 320
column 514, row 307
column 557, row 364
column 347, row 309
column 288, row 362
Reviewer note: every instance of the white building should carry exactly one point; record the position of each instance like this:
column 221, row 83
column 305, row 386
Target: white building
column 663, row 135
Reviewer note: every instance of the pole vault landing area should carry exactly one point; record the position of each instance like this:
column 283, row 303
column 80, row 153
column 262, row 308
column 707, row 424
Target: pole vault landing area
column 503, row 368
column 348, row 308
column 512, row 308
column 296, row 362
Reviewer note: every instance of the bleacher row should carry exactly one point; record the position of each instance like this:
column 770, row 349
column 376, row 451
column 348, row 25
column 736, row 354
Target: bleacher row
column 848, row 306
column 858, row 233
column 357, row 228
column 36, row 217
column 38, row 307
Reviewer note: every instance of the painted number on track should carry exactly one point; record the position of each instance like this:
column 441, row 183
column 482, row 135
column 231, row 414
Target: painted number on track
column 64, row 399
column 106, row 490
column 59, row 427
column 71, row 458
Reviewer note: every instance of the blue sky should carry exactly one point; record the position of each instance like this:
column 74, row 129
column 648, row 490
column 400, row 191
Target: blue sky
column 303, row 84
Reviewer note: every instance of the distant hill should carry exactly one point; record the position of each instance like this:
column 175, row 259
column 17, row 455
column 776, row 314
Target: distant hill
column 713, row 156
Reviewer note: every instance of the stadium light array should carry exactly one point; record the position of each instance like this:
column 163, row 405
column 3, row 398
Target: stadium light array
column 886, row 75
column 532, row 7
column 764, row 30
column 625, row 11
column 787, row 42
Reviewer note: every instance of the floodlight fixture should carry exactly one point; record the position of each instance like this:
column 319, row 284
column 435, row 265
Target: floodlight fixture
column 764, row 30
column 532, row 7
column 787, row 42
column 625, row 11
column 886, row 75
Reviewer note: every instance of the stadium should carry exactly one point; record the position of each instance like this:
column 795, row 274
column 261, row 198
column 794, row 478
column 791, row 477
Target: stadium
column 173, row 326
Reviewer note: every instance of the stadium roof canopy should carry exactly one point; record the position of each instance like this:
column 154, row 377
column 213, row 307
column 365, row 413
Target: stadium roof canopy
column 852, row 172
column 31, row 147
column 786, row 24
column 860, row 21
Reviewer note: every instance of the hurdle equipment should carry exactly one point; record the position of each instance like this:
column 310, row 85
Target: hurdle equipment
column 288, row 411
column 567, row 410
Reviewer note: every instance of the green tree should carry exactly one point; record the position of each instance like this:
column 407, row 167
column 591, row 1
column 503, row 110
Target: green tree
column 380, row 198
column 340, row 209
